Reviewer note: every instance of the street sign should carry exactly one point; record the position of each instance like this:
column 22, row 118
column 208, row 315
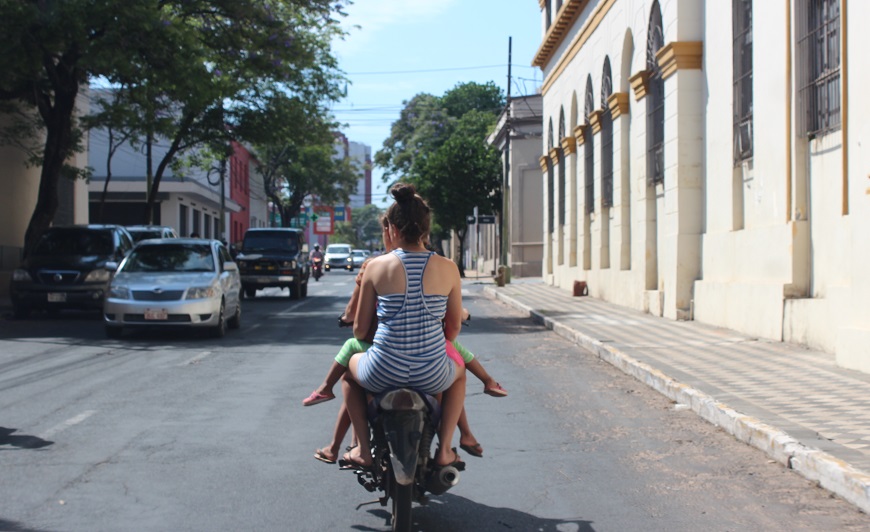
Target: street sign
column 339, row 213
column 486, row 219
column 470, row 219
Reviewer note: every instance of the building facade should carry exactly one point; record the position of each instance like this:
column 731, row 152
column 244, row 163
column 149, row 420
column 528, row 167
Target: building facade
column 696, row 167
column 518, row 135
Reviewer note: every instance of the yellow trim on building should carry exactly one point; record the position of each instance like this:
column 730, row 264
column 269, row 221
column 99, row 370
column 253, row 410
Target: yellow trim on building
column 618, row 104
column 554, row 155
column 544, row 162
column 580, row 134
column 569, row 145
column 582, row 36
column 680, row 55
column 640, row 84
column 595, row 120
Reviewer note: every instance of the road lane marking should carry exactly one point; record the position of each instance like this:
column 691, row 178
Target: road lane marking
column 196, row 359
column 67, row 424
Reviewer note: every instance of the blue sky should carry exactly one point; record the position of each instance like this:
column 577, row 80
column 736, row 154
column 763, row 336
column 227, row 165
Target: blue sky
column 403, row 48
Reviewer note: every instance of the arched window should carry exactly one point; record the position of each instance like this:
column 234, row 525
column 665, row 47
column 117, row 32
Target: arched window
column 589, row 150
column 550, row 217
column 606, row 137
column 561, row 169
column 655, row 116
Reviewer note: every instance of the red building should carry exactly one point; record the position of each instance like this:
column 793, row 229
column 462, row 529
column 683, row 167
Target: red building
column 240, row 191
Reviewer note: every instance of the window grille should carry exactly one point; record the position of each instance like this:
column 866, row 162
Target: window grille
column 561, row 170
column 818, row 66
column 606, row 138
column 182, row 220
column 742, row 33
column 655, row 116
column 589, row 151
column 550, row 202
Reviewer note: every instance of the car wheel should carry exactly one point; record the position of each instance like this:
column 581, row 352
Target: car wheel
column 220, row 330
column 21, row 312
column 295, row 289
column 114, row 332
column 251, row 293
column 236, row 320
column 304, row 289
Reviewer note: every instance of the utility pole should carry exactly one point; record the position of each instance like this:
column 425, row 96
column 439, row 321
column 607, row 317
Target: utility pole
column 505, row 189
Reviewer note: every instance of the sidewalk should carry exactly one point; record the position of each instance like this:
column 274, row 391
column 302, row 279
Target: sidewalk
column 792, row 403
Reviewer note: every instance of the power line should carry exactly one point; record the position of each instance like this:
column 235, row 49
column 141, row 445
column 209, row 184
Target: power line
column 391, row 72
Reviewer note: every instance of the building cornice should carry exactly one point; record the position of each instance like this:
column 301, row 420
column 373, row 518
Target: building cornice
column 544, row 162
column 618, row 104
column 595, row 121
column 680, row 55
column 554, row 155
column 580, row 134
column 543, row 59
column 557, row 31
column 569, row 145
column 640, row 84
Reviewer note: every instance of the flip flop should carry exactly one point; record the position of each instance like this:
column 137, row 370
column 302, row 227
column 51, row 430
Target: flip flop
column 349, row 464
column 320, row 455
column 474, row 450
column 316, row 398
column 495, row 391
column 457, row 462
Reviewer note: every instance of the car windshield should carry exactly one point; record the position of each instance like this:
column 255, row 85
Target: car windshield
column 171, row 258
column 257, row 241
column 338, row 249
column 145, row 234
column 75, row 241
column 359, row 254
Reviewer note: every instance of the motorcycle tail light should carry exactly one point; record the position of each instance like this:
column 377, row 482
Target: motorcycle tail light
column 402, row 400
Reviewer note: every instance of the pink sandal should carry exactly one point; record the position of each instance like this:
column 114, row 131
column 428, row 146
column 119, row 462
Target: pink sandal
column 495, row 391
column 316, row 398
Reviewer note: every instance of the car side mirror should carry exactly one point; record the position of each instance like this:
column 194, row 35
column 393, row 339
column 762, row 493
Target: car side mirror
column 230, row 266
column 112, row 265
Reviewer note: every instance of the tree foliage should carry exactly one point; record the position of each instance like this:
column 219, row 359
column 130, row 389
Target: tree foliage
column 185, row 67
column 439, row 145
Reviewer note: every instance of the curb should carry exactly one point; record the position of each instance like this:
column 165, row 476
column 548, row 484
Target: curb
column 829, row 472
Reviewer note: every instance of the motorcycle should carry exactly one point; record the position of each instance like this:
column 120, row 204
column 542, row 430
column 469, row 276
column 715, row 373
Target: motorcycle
column 317, row 268
column 403, row 424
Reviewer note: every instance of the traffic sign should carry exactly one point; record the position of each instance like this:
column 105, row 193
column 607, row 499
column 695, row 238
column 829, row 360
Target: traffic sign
column 486, row 219
column 470, row 219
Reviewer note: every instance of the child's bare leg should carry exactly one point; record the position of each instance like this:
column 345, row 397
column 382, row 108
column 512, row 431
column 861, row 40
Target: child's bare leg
column 335, row 373
column 342, row 423
column 490, row 386
column 466, row 438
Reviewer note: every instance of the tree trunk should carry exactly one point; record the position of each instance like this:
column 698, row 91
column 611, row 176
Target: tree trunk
column 110, row 153
column 461, row 262
column 58, row 142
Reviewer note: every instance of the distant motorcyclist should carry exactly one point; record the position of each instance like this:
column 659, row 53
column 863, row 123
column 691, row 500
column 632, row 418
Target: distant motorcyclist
column 316, row 254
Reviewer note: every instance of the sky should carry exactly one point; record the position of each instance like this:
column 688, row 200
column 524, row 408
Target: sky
column 402, row 48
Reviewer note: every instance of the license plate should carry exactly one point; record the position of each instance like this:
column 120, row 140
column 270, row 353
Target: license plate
column 57, row 297
column 264, row 280
column 156, row 315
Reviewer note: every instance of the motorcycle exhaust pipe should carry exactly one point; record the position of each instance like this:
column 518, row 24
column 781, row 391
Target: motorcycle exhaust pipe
column 442, row 480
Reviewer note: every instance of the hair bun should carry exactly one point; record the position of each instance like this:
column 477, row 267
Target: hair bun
column 403, row 192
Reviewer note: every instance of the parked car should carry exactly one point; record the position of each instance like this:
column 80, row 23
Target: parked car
column 274, row 257
column 359, row 256
column 69, row 268
column 144, row 232
column 175, row 282
column 338, row 256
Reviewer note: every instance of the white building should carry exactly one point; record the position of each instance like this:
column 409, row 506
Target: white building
column 699, row 168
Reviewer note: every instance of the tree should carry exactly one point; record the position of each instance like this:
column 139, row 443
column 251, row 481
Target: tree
column 464, row 173
column 187, row 64
column 439, row 145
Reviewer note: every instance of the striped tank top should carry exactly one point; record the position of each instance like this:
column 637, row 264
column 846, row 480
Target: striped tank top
column 408, row 348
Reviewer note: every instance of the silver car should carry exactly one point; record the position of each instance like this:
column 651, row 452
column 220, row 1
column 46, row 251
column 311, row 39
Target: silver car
column 175, row 283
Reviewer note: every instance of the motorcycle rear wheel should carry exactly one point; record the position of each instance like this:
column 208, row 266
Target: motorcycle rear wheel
column 402, row 506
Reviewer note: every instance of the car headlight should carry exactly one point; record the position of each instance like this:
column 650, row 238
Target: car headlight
column 288, row 264
column 119, row 292
column 21, row 275
column 200, row 292
column 350, row 259
column 98, row 276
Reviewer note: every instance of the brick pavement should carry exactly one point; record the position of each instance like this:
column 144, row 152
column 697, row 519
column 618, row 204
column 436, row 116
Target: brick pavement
column 795, row 404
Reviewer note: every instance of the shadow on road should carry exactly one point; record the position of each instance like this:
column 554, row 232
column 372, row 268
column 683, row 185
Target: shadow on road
column 22, row 441
column 456, row 514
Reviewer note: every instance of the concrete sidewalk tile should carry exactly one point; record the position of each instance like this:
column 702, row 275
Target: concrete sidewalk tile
column 805, row 388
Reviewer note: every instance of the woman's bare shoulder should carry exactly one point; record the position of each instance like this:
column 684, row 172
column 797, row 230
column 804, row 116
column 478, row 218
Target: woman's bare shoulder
column 444, row 264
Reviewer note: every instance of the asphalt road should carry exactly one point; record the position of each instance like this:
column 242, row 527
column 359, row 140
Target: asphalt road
column 174, row 431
